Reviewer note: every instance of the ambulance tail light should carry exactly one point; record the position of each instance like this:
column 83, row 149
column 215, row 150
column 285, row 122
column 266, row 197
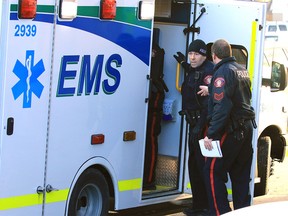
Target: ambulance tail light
column 68, row 9
column 97, row 139
column 27, row 9
column 108, row 9
column 146, row 10
column 129, row 135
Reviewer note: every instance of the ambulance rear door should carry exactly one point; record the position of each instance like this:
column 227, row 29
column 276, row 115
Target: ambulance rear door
column 26, row 44
column 241, row 24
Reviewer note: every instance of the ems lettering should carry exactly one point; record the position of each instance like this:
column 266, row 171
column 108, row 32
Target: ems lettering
column 89, row 76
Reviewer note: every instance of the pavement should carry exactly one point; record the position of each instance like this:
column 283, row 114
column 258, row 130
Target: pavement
column 269, row 198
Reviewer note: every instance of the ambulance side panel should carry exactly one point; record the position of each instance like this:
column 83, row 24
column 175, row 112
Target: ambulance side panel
column 99, row 86
column 26, row 49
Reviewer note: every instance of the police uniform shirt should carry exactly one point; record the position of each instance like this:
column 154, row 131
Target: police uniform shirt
column 230, row 96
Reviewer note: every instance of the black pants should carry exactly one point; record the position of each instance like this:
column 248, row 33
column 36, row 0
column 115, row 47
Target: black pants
column 196, row 163
column 236, row 161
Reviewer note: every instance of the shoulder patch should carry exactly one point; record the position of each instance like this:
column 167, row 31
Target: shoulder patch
column 218, row 97
column 207, row 79
column 219, row 82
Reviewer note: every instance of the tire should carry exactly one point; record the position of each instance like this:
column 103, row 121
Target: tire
column 278, row 149
column 90, row 196
column 263, row 165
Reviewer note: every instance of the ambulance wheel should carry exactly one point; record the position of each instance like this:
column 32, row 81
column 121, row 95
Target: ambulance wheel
column 90, row 196
column 263, row 165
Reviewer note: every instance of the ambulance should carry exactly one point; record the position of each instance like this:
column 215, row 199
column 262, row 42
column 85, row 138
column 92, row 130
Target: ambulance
column 74, row 89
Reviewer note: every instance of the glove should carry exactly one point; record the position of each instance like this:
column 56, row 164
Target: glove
column 180, row 58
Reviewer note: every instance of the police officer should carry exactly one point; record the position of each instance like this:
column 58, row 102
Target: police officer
column 194, row 108
column 230, row 117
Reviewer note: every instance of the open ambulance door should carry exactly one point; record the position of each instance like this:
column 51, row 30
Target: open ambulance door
column 171, row 18
column 241, row 24
column 179, row 23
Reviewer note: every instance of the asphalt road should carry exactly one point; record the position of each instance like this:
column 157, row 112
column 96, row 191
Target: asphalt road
column 278, row 191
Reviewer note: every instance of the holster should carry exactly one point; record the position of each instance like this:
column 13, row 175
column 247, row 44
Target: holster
column 191, row 116
column 237, row 127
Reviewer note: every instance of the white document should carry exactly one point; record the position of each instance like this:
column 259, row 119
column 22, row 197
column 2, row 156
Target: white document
column 215, row 152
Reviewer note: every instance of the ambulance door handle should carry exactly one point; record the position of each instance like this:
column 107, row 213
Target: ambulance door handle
column 10, row 126
column 49, row 188
column 40, row 190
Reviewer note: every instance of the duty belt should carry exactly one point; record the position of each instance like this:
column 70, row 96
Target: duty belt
column 242, row 121
column 191, row 116
column 239, row 124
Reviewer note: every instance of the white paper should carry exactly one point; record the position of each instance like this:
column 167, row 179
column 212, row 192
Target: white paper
column 215, row 152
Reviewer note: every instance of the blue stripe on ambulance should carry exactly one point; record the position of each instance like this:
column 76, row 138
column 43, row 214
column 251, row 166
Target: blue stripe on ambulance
column 48, row 18
column 132, row 38
column 119, row 33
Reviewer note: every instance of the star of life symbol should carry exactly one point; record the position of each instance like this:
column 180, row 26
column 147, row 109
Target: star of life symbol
column 28, row 83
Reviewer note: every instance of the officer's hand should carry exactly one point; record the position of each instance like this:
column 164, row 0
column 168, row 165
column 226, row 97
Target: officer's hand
column 203, row 90
column 208, row 143
column 180, row 57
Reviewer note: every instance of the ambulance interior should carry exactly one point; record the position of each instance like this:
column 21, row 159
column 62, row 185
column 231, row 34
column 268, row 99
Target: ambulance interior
column 170, row 21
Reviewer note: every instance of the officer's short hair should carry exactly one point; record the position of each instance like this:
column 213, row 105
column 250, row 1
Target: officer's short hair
column 221, row 48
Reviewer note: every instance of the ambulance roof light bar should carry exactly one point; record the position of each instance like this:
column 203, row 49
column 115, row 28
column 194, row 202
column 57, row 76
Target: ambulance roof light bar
column 146, row 10
column 68, row 9
column 27, row 9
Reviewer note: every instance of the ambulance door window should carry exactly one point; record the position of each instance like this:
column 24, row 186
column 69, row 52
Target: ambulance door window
column 68, row 9
column 238, row 51
column 241, row 55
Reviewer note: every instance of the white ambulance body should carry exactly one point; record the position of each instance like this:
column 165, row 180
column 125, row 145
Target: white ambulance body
column 74, row 89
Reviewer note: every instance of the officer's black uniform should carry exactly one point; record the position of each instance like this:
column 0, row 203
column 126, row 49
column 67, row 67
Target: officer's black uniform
column 194, row 107
column 230, row 115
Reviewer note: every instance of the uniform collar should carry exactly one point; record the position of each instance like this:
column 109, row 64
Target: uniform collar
column 223, row 61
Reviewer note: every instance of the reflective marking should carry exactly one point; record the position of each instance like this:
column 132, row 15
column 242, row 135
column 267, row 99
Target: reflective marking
column 32, row 199
column 252, row 51
column 132, row 184
column 21, row 201
column 229, row 191
column 57, row 196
